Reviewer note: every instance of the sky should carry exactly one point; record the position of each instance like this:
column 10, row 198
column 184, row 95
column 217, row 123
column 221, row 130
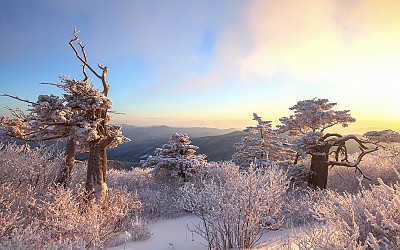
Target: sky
column 211, row 63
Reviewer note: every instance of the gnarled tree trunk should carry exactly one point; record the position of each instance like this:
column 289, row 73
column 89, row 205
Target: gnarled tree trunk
column 318, row 176
column 65, row 174
column 97, row 170
column 95, row 178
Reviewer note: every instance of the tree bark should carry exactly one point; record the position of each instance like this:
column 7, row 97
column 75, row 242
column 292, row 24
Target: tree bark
column 103, row 160
column 95, row 178
column 318, row 176
column 97, row 170
column 65, row 174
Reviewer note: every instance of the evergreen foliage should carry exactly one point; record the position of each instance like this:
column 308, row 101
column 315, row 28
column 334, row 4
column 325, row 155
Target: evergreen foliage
column 176, row 158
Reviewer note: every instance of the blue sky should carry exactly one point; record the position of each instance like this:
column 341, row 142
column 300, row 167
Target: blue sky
column 212, row 63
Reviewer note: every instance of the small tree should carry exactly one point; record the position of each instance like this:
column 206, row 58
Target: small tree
column 308, row 127
column 265, row 148
column 177, row 158
column 47, row 119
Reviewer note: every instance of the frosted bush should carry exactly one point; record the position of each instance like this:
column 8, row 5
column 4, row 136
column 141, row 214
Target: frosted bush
column 29, row 167
column 35, row 167
column 384, row 164
column 298, row 174
column 36, row 214
column 296, row 206
column 235, row 207
column 370, row 218
column 159, row 197
column 63, row 215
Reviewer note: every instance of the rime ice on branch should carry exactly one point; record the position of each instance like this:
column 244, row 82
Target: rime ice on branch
column 265, row 149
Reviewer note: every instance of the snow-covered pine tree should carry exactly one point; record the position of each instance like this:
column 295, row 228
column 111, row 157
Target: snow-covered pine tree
column 265, row 147
column 383, row 136
column 308, row 127
column 176, row 158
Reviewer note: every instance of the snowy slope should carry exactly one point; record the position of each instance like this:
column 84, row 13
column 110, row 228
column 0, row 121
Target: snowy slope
column 173, row 234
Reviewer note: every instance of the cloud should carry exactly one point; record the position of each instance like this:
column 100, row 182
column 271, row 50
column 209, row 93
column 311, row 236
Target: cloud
column 327, row 41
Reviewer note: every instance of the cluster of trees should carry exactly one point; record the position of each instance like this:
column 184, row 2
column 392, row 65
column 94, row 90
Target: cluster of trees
column 306, row 129
column 81, row 117
column 303, row 133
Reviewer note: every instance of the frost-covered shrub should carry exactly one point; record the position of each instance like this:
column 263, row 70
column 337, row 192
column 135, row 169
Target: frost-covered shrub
column 355, row 221
column 159, row 197
column 36, row 168
column 132, row 180
column 36, row 214
column 63, row 215
column 235, row 207
column 296, row 206
column 298, row 174
column 384, row 164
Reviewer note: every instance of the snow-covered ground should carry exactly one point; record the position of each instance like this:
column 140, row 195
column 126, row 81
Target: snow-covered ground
column 174, row 234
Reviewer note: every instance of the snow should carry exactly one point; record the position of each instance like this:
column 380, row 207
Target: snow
column 174, row 234
column 170, row 234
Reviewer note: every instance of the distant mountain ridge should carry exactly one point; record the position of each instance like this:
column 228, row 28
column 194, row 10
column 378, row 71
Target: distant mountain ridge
column 217, row 144
column 137, row 133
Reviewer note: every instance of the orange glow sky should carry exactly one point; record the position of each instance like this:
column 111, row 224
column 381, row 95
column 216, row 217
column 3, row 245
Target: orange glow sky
column 202, row 63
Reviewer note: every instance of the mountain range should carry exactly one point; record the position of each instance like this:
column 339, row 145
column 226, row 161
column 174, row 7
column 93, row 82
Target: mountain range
column 217, row 144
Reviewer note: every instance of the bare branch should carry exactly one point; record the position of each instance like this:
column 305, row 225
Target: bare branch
column 71, row 43
column 84, row 60
column 17, row 98
column 330, row 135
column 115, row 112
column 52, row 83
column 355, row 163
column 343, row 139
column 106, row 87
column 18, row 113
